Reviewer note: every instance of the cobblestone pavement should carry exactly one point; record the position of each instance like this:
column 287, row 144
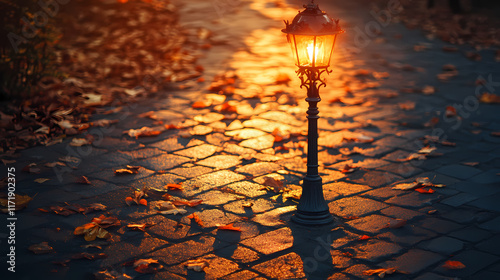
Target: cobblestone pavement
column 374, row 116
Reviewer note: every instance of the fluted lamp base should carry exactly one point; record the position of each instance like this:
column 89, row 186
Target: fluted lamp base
column 312, row 209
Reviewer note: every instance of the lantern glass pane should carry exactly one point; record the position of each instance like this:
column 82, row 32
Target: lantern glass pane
column 308, row 52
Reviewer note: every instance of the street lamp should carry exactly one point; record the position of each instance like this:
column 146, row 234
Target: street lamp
column 312, row 35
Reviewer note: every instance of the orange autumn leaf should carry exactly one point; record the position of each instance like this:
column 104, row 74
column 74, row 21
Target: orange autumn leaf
column 453, row 265
column 364, row 237
column 172, row 186
column 196, row 219
column 278, row 135
column 226, row 108
column 424, row 191
column 450, row 111
column 489, row 98
column 200, row 105
column 348, row 169
column 172, row 126
column 129, row 200
column 229, row 227
column 143, row 202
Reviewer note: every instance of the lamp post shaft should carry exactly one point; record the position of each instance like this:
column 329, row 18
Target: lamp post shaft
column 312, row 208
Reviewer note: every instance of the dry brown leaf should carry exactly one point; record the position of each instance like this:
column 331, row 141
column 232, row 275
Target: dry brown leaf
column 41, row 248
column 348, row 169
column 196, row 265
column 143, row 132
column 381, row 272
column 274, row 184
column 41, row 180
column 190, row 203
column 450, row 112
column 83, row 180
column 77, row 142
column 21, row 202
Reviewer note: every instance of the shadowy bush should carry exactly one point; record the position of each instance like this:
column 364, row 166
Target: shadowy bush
column 26, row 48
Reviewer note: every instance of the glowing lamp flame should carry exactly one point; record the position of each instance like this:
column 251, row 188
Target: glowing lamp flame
column 312, row 52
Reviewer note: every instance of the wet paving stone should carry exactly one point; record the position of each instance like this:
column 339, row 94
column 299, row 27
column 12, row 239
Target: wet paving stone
column 181, row 252
column 443, row 245
column 489, row 202
column 216, row 198
column 242, row 275
column 210, row 181
column 258, row 168
column 238, row 254
column 259, row 143
column 119, row 252
column 373, row 178
column 400, row 213
column 371, row 224
column 271, row 242
column 220, row 161
column 217, row 268
column 216, row 217
column 163, row 162
column 243, row 134
column 358, row 269
column 414, row 261
column 258, row 206
column 345, row 189
column 412, row 200
column 471, row 234
column 247, row 188
column 438, row 225
column 407, row 235
column 354, row 206
column 274, row 217
column 459, row 171
column 284, row 267
column 375, row 250
column 198, row 152
column 473, row 260
column 191, row 171
column 167, row 229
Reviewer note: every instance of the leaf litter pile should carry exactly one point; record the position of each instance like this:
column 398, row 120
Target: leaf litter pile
column 111, row 53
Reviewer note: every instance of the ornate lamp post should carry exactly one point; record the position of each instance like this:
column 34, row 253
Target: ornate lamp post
column 312, row 35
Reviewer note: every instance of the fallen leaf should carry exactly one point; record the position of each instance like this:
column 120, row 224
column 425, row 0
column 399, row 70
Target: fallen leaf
column 196, row 219
column 348, row 169
column 495, row 133
column 128, row 170
column 427, row 150
column 450, row 112
column 364, row 237
column 470, row 163
column 201, row 104
column 77, row 142
column 112, row 275
column 41, row 248
column 278, row 135
column 489, row 98
column 229, row 227
column 147, row 266
column 41, row 180
column 196, row 265
column 428, row 90
column 247, row 205
column 173, row 211
column 453, row 265
column 83, row 180
column 172, row 186
column 190, row 203
column 140, row 227
column 143, row 132
column 381, row 272
column 407, row 106
column 406, row 186
column 20, row 202
column 424, row 191
column 274, row 184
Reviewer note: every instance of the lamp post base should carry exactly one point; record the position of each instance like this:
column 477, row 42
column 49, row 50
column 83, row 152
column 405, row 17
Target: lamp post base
column 312, row 209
